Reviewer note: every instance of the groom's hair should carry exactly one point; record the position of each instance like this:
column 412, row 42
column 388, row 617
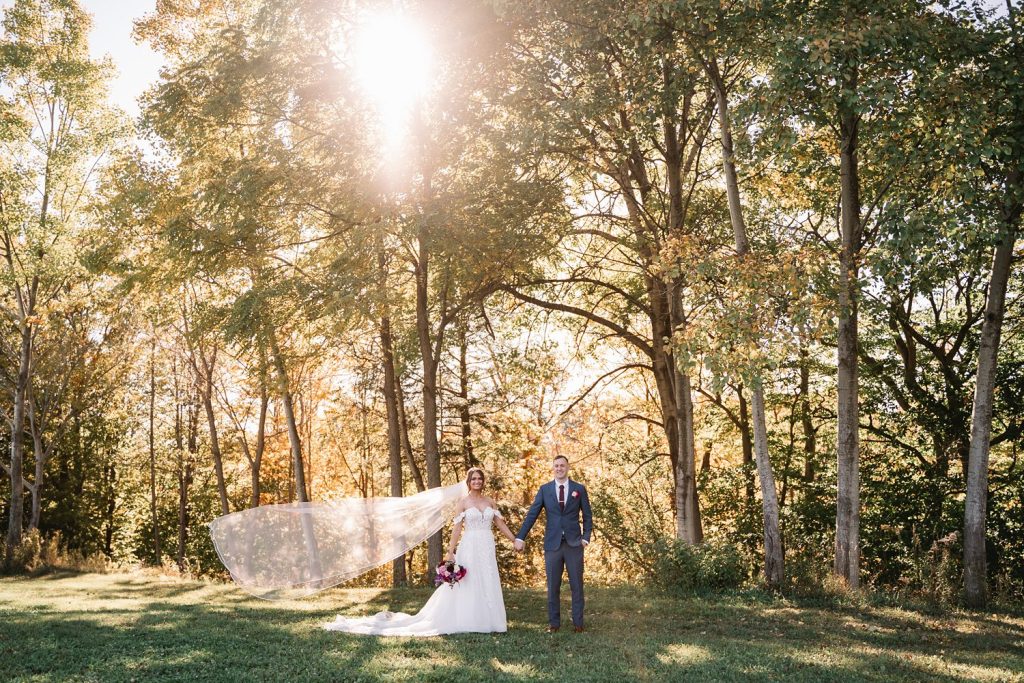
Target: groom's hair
column 560, row 457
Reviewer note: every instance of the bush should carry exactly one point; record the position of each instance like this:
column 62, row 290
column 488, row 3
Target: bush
column 682, row 569
column 38, row 554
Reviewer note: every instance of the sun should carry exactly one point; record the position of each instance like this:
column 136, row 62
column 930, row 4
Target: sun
column 394, row 67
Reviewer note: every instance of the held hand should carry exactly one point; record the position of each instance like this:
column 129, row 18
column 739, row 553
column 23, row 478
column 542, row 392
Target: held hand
column 450, row 557
column 519, row 544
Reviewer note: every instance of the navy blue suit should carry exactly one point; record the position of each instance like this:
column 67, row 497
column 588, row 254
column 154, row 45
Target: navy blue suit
column 563, row 543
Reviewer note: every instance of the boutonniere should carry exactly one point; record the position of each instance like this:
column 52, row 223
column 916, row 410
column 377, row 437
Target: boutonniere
column 575, row 494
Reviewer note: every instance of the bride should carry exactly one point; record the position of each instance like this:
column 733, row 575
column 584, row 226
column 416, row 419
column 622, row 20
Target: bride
column 474, row 604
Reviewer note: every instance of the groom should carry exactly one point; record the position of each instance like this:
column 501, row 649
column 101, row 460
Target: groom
column 563, row 500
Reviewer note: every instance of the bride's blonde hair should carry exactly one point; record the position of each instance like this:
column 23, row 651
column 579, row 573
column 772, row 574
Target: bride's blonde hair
column 473, row 470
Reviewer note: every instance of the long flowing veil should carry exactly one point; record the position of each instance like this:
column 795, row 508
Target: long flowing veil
column 297, row 549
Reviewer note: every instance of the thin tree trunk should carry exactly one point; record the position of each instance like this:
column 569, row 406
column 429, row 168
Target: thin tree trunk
column 308, row 533
column 810, row 435
column 17, row 509
column 289, row 414
column 417, row 474
column 468, row 459
column 211, row 422
column 186, row 457
column 975, row 506
column 390, row 391
column 847, row 546
column 746, row 446
column 261, row 444
column 431, row 447
column 255, row 459
column 773, row 555
column 398, row 575
column 110, row 474
column 774, row 559
column 152, row 452
column 40, row 456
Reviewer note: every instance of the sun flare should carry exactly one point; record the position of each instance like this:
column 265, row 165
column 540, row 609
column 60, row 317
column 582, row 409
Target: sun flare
column 393, row 63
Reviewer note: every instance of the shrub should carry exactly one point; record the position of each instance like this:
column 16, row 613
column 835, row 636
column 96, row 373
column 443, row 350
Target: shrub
column 683, row 569
column 38, row 554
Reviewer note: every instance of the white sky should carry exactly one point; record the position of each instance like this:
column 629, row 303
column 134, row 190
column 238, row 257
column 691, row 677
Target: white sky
column 137, row 65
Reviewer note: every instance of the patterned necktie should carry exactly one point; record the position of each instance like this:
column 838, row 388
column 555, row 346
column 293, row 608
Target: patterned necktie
column 561, row 497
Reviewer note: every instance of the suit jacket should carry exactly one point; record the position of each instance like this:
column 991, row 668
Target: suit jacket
column 559, row 522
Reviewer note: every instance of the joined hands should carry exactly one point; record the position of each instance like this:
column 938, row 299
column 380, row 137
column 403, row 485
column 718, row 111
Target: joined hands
column 519, row 544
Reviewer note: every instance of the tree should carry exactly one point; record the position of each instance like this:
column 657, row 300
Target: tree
column 626, row 121
column 846, row 72
column 54, row 132
column 1002, row 159
column 707, row 32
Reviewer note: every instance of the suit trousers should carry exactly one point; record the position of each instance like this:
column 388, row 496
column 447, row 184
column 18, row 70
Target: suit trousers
column 570, row 559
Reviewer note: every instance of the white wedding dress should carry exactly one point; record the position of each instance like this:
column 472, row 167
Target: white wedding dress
column 473, row 605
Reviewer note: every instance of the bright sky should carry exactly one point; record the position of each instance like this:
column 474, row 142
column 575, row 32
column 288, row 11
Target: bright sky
column 137, row 65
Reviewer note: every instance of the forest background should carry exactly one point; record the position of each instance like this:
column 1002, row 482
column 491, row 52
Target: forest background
column 748, row 265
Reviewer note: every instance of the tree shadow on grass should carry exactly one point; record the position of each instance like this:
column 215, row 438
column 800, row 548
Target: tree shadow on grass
column 203, row 632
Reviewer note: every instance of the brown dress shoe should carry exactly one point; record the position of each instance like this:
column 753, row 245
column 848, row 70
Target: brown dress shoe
column 552, row 629
column 577, row 629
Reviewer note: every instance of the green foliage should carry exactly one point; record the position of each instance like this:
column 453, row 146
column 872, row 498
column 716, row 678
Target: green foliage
column 683, row 569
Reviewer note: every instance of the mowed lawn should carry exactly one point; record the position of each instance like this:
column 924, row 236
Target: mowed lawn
column 128, row 627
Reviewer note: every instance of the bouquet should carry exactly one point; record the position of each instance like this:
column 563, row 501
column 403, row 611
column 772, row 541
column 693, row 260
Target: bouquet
column 450, row 573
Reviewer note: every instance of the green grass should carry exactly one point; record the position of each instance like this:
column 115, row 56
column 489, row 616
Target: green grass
column 135, row 627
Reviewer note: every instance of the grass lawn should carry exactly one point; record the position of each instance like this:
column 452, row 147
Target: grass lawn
column 128, row 627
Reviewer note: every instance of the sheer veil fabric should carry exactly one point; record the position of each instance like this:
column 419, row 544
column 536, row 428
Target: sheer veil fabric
column 297, row 549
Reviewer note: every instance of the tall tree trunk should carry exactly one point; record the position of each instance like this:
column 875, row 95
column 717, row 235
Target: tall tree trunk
column 187, row 456
column 975, row 570
column 431, row 447
column 398, row 575
column 110, row 475
column 211, row 422
column 308, row 533
column 284, row 391
column 403, row 419
column 261, row 444
column 468, row 459
column 688, row 523
column 666, row 317
column 677, row 421
column 746, row 446
column 40, row 456
column 847, row 547
column 17, row 509
column 154, row 518
column 810, row 435
column 254, row 455
column 390, row 390
column 774, row 559
column 773, row 554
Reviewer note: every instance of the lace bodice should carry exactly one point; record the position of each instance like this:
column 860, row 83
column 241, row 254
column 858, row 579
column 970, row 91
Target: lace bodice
column 475, row 519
